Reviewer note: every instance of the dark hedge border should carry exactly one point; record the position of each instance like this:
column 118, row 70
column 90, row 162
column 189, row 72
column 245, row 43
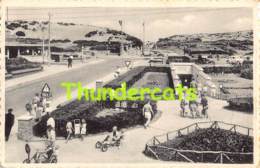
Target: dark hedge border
column 88, row 110
column 137, row 73
column 220, row 69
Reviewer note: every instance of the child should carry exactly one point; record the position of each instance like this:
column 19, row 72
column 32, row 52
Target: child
column 69, row 129
column 83, row 130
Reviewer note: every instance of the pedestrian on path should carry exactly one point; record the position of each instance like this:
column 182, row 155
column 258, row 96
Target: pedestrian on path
column 28, row 108
column 194, row 109
column 69, row 129
column 204, row 103
column 9, row 122
column 43, row 103
column 35, row 103
column 50, row 121
column 83, row 130
column 183, row 104
column 70, row 59
column 51, row 135
column 147, row 113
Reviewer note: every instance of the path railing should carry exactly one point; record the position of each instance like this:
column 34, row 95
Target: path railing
column 156, row 148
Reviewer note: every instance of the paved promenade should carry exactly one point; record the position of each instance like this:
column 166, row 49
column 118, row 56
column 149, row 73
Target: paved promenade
column 130, row 151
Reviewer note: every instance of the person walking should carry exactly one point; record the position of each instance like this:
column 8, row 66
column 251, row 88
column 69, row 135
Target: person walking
column 51, row 135
column 69, row 129
column 28, row 108
column 147, row 113
column 9, row 122
column 70, row 61
column 83, row 130
column 50, row 121
column 183, row 104
column 193, row 110
column 35, row 103
column 204, row 103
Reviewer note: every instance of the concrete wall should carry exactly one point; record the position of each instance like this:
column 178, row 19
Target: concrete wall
column 203, row 80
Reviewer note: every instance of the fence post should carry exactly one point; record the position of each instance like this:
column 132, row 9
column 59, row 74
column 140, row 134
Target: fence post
column 221, row 157
column 167, row 136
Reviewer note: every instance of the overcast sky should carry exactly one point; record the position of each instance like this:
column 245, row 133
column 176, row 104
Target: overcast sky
column 159, row 22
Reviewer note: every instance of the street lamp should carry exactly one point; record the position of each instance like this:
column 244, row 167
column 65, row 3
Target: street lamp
column 220, row 89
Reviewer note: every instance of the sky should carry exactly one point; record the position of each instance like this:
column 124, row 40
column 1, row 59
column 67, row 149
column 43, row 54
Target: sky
column 159, row 22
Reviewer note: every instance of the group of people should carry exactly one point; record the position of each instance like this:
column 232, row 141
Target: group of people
column 38, row 104
column 79, row 129
column 193, row 107
column 76, row 129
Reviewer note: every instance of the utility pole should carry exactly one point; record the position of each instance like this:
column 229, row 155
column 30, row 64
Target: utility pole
column 42, row 29
column 121, row 43
column 143, row 37
column 49, row 37
column 7, row 14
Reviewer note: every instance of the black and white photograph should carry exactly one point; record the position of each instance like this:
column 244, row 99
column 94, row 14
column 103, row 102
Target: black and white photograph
column 165, row 85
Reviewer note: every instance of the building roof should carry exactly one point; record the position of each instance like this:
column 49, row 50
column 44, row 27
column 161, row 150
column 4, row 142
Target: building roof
column 18, row 44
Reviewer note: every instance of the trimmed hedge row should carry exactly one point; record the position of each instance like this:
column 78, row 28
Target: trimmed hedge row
column 14, row 64
column 137, row 73
column 76, row 109
column 241, row 103
column 88, row 110
column 220, row 69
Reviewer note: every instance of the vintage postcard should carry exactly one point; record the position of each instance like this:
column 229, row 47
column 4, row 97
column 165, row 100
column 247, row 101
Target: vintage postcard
column 119, row 83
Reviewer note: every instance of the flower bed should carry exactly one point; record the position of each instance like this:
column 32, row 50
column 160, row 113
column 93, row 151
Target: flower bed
column 212, row 144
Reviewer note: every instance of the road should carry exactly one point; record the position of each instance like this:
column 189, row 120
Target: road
column 18, row 97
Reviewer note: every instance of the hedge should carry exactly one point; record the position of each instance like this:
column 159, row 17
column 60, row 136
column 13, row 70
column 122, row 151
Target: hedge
column 88, row 110
column 137, row 73
column 14, row 64
column 220, row 69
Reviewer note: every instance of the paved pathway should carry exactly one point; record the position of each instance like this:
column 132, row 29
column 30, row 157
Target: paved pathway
column 135, row 138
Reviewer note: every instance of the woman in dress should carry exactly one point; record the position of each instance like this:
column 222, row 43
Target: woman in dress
column 83, row 130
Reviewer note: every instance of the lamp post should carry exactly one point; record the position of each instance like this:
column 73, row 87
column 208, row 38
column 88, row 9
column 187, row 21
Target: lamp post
column 220, row 90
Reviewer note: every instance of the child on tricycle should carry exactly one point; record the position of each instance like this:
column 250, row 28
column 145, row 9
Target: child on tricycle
column 114, row 139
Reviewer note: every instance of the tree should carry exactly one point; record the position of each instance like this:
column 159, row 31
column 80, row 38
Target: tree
column 20, row 33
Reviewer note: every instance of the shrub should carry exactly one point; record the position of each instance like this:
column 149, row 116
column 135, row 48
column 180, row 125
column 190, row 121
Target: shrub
column 247, row 73
column 13, row 64
column 241, row 103
column 12, row 26
column 20, row 34
column 90, row 34
column 25, row 27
